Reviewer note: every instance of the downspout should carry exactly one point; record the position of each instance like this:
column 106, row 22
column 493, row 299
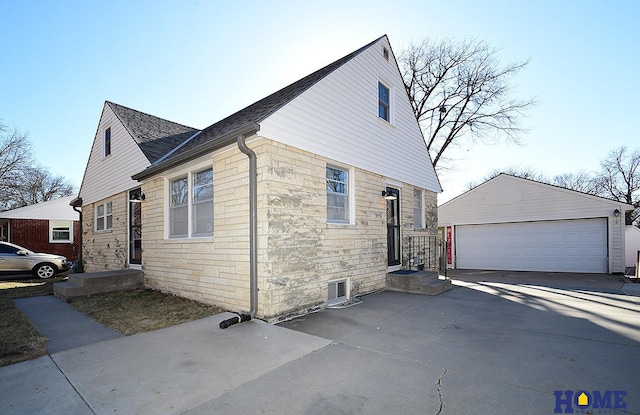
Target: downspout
column 253, row 231
column 253, row 224
column 79, row 266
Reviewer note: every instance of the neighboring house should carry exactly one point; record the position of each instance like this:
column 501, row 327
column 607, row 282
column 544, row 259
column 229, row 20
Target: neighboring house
column 515, row 224
column 632, row 245
column 278, row 207
column 51, row 227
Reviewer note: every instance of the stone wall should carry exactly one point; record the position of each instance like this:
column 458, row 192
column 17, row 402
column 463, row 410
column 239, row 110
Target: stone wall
column 298, row 251
column 107, row 249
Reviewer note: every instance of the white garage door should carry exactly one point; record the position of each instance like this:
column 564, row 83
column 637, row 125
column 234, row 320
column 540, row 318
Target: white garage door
column 554, row 246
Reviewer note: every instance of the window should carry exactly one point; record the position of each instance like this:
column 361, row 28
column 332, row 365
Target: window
column 385, row 53
column 60, row 231
column 338, row 292
column 203, row 203
column 107, row 142
column 104, row 216
column 337, row 195
column 418, row 213
column 383, row 102
column 191, row 205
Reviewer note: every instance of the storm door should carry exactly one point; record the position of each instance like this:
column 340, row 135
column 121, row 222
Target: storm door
column 393, row 226
column 135, row 227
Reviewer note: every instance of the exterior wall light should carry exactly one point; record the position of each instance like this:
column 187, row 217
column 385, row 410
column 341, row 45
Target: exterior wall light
column 137, row 198
column 389, row 194
column 616, row 213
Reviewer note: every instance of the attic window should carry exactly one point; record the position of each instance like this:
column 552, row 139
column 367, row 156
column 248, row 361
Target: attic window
column 107, row 142
column 383, row 102
column 385, row 53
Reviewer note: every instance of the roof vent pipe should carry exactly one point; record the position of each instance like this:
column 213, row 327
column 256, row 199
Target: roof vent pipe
column 253, row 224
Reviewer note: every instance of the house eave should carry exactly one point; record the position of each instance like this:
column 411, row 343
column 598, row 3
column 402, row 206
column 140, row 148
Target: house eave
column 213, row 145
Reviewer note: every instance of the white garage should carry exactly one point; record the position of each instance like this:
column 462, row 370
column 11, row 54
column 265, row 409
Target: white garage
column 515, row 224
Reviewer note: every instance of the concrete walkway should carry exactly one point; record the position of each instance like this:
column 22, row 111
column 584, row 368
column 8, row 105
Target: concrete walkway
column 65, row 327
column 499, row 344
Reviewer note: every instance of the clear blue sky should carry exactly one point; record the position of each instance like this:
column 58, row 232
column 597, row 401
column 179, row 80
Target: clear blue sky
column 197, row 61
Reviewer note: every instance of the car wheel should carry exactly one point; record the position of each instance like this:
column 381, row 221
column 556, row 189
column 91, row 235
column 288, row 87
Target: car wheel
column 45, row 270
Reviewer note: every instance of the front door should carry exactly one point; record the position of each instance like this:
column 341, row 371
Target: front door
column 135, row 227
column 393, row 226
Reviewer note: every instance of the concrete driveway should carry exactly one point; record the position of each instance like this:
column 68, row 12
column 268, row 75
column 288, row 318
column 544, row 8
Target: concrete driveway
column 498, row 343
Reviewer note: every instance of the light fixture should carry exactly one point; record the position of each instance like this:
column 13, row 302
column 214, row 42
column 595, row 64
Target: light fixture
column 390, row 194
column 137, row 198
column 616, row 213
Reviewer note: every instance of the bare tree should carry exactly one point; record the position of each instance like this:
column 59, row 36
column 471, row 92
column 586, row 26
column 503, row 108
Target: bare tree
column 582, row 182
column 39, row 185
column 459, row 90
column 15, row 155
column 22, row 182
column 620, row 179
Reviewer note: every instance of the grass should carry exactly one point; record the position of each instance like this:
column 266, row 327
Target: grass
column 137, row 311
column 128, row 312
column 19, row 340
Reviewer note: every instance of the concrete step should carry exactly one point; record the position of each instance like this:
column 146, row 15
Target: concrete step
column 417, row 282
column 98, row 282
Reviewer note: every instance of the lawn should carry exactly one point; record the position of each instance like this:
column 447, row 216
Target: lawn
column 128, row 312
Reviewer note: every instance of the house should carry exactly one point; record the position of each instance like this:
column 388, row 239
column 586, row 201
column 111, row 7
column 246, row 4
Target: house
column 516, row 224
column 632, row 245
column 52, row 227
column 300, row 200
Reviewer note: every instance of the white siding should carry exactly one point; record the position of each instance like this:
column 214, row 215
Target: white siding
column 106, row 176
column 632, row 245
column 338, row 118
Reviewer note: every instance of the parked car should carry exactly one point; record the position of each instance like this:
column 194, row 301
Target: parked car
column 14, row 258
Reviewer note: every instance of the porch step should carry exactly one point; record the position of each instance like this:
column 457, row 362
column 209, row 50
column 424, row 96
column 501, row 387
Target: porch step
column 88, row 283
column 417, row 282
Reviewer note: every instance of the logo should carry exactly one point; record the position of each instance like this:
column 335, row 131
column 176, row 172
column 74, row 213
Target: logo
column 569, row 402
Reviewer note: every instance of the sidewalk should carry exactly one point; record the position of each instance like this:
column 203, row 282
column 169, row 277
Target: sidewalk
column 65, row 327
column 168, row 371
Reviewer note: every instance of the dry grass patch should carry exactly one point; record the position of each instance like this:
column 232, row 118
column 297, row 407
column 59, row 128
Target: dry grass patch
column 19, row 340
column 131, row 312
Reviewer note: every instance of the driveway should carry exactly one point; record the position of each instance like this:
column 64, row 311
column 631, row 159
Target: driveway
column 498, row 343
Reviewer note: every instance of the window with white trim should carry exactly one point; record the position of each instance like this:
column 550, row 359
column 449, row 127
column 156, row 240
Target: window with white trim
column 104, row 216
column 418, row 212
column 384, row 102
column 60, row 231
column 191, row 205
column 337, row 194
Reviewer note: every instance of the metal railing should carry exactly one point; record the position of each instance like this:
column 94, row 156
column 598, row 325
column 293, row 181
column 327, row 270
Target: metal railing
column 427, row 253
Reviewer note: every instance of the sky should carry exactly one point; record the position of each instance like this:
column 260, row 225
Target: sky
column 196, row 61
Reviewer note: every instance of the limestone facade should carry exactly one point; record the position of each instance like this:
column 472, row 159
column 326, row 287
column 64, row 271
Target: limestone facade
column 299, row 253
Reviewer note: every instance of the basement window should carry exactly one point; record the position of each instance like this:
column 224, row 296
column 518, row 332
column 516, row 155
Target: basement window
column 338, row 292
